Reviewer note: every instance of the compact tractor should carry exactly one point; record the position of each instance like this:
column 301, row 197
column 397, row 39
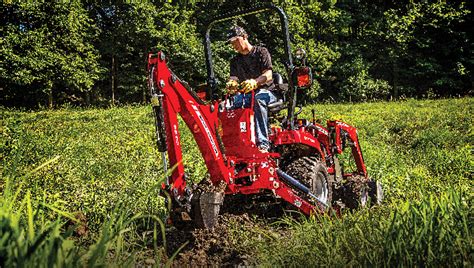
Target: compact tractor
column 302, row 167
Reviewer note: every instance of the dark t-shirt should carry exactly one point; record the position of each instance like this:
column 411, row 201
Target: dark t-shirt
column 252, row 65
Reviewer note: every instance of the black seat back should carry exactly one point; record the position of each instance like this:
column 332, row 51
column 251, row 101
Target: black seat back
column 277, row 79
column 278, row 89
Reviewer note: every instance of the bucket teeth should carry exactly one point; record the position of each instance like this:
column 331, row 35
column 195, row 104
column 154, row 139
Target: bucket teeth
column 206, row 208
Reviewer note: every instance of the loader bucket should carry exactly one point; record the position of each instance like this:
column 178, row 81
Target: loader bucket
column 206, row 208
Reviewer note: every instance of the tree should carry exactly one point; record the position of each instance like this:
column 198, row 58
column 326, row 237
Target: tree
column 429, row 44
column 360, row 49
column 46, row 48
column 127, row 33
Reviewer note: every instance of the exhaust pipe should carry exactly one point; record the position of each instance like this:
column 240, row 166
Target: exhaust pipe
column 299, row 186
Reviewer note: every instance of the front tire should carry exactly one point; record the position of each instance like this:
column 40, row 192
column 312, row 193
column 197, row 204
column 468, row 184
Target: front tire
column 358, row 191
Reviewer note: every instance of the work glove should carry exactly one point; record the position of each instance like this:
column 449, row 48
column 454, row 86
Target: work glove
column 231, row 87
column 248, row 85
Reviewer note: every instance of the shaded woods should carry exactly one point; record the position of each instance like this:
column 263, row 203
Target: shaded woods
column 84, row 53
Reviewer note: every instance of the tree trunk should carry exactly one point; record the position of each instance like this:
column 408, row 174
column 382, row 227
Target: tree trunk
column 145, row 89
column 113, row 79
column 49, row 87
column 50, row 98
column 88, row 98
column 395, row 80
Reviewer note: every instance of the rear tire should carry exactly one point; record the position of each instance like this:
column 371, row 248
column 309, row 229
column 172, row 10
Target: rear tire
column 311, row 172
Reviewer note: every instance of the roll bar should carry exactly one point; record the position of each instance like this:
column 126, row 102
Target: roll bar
column 211, row 79
column 242, row 13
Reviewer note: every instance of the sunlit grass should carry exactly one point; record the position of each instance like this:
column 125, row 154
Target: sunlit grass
column 57, row 163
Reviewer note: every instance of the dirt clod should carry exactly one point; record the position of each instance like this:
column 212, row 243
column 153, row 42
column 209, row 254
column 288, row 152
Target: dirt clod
column 209, row 246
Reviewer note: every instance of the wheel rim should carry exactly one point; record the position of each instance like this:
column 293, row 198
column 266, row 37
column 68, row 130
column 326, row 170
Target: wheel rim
column 319, row 187
column 364, row 197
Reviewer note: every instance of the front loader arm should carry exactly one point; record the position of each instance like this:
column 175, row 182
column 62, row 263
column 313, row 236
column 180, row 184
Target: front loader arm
column 342, row 133
column 201, row 118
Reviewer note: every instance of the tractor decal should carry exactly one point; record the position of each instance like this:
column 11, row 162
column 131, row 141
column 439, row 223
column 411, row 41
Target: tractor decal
column 208, row 132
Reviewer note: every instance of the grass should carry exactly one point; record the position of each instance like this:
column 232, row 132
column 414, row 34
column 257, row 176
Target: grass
column 90, row 160
column 29, row 238
column 435, row 231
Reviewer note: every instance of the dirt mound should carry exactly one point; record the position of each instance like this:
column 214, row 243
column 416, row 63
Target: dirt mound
column 210, row 247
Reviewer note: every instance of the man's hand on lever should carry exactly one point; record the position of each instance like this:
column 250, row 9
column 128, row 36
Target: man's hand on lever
column 231, row 87
column 248, row 85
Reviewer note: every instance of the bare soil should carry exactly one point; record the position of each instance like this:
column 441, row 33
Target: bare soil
column 210, row 247
column 219, row 246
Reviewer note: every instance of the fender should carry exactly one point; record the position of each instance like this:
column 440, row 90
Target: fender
column 299, row 136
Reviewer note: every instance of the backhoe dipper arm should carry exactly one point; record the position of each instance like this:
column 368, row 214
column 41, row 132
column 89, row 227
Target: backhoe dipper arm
column 201, row 118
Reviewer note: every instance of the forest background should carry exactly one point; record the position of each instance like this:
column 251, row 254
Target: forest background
column 94, row 53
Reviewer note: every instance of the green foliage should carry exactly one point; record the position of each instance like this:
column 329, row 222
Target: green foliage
column 95, row 53
column 180, row 41
column 359, row 85
column 413, row 147
column 127, row 33
column 313, row 27
column 31, row 239
column 47, row 46
column 102, row 155
column 427, row 46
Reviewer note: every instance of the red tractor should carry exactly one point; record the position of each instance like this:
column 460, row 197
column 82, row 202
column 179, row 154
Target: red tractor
column 301, row 168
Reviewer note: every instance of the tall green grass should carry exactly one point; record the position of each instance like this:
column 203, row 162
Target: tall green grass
column 415, row 148
column 420, row 150
column 435, row 231
column 30, row 238
column 103, row 157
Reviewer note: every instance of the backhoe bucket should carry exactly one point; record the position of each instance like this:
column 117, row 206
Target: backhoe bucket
column 206, row 208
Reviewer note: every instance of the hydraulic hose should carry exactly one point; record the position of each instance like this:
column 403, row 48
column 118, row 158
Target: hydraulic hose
column 156, row 103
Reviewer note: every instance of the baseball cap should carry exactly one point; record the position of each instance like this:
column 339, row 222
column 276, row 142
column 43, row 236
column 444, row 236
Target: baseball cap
column 235, row 31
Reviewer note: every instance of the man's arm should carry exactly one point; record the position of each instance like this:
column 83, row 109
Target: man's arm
column 264, row 77
column 266, row 66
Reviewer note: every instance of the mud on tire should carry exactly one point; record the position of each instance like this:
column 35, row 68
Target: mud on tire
column 310, row 171
column 353, row 193
column 358, row 191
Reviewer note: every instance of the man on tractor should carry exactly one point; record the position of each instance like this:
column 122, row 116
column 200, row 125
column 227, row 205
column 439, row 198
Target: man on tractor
column 252, row 67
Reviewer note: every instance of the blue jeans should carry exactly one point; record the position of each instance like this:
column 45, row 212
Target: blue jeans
column 262, row 98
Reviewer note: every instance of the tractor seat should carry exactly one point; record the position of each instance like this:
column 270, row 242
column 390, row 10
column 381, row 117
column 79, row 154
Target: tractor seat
column 278, row 89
